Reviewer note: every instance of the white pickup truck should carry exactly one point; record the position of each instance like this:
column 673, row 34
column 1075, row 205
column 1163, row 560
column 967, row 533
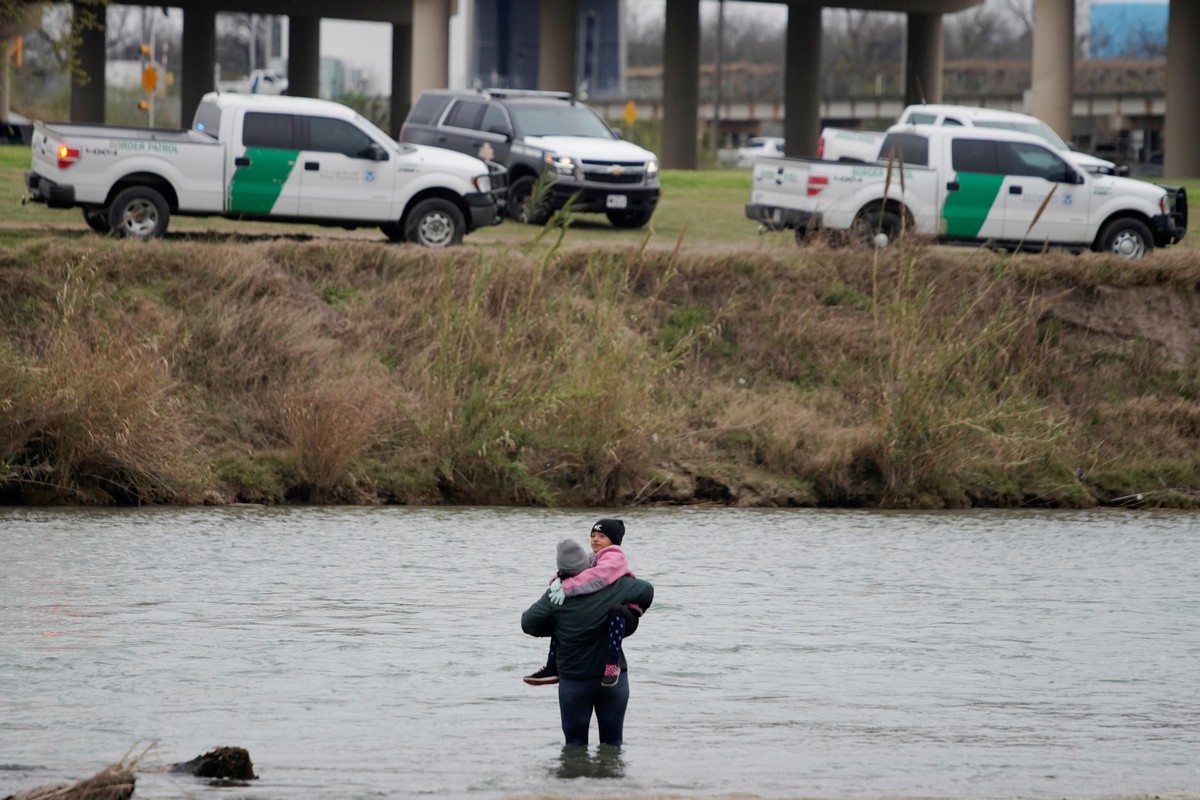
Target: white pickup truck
column 286, row 159
column 849, row 144
column 969, row 186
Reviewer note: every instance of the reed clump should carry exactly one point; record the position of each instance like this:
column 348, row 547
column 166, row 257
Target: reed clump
column 343, row 371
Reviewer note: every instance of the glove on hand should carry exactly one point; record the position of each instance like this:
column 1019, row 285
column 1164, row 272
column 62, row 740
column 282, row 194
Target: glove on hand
column 556, row 592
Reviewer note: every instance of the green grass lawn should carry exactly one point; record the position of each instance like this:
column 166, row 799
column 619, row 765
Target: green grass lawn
column 705, row 208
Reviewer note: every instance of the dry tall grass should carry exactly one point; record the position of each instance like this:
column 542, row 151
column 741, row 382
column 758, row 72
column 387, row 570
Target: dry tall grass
column 342, row 371
column 93, row 411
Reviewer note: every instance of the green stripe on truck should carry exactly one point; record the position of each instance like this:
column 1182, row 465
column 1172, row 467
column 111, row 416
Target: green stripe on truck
column 967, row 209
column 254, row 189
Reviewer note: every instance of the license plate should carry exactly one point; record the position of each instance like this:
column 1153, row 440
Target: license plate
column 616, row 201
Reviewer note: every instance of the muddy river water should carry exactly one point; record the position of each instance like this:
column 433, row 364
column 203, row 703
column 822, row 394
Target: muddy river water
column 377, row 652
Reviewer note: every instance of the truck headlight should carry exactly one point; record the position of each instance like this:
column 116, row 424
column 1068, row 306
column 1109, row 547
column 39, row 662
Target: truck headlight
column 652, row 168
column 483, row 183
column 563, row 166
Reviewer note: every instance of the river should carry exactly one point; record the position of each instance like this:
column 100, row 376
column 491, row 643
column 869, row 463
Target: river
column 377, row 652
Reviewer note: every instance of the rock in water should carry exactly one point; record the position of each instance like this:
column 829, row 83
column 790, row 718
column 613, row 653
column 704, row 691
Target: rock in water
column 224, row 762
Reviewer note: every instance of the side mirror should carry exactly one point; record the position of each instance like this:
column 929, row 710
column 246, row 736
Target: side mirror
column 376, row 152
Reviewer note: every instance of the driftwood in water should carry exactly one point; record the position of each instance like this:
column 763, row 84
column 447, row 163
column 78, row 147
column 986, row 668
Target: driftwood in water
column 229, row 763
column 114, row 782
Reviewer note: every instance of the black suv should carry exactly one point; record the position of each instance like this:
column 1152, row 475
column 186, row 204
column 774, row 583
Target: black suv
column 548, row 134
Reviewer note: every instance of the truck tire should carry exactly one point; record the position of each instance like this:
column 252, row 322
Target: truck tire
column 879, row 228
column 629, row 219
column 1126, row 237
column 97, row 220
column 435, row 222
column 138, row 212
column 519, row 194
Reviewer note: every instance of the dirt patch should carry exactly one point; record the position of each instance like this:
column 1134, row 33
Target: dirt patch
column 1123, row 315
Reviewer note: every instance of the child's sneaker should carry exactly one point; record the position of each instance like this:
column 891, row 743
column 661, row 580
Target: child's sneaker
column 543, row 677
column 612, row 674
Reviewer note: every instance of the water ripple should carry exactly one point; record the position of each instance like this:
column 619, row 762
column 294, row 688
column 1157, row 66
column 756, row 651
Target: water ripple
column 363, row 653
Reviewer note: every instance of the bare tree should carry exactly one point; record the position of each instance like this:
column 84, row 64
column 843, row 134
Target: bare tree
column 862, row 52
column 987, row 32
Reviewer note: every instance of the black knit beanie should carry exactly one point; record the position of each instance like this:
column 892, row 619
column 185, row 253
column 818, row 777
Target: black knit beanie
column 614, row 529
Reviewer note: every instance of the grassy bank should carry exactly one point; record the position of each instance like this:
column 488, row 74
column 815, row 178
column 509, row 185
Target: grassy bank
column 221, row 369
column 693, row 362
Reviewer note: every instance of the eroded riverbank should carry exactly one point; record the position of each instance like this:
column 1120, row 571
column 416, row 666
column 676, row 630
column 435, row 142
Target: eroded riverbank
column 187, row 372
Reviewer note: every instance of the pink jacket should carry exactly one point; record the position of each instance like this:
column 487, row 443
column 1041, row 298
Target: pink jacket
column 610, row 565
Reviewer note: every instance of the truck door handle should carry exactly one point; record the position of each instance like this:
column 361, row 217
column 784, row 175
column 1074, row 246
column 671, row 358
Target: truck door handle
column 1014, row 190
column 953, row 186
column 241, row 161
column 312, row 166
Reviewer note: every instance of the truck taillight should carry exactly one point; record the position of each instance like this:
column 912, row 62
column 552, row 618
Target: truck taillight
column 820, row 148
column 67, row 156
column 817, row 184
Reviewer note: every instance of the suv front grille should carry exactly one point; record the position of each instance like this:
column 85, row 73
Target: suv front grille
column 614, row 172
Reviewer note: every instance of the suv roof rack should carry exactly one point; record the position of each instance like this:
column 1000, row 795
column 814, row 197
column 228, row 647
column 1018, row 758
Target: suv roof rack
column 527, row 93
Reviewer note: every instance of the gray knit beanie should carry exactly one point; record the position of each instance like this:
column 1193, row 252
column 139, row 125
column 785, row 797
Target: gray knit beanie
column 572, row 558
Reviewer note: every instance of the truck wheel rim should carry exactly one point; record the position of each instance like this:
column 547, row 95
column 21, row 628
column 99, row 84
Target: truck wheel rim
column 1129, row 245
column 436, row 229
column 140, row 218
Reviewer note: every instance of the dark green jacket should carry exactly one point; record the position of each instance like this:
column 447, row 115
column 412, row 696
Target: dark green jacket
column 580, row 625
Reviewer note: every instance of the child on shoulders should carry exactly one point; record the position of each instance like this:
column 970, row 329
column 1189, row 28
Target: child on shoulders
column 579, row 574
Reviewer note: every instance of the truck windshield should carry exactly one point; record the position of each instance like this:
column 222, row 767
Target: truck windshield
column 1038, row 129
column 378, row 135
column 558, row 120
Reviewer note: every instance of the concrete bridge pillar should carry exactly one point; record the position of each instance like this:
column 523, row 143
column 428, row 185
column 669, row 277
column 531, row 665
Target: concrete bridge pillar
column 681, row 84
column 430, row 45
column 801, row 80
column 304, row 55
column 1181, row 158
column 87, row 80
column 198, row 60
column 402, row 77
column 557, row 22
column 1053, row 66
column 923, row 58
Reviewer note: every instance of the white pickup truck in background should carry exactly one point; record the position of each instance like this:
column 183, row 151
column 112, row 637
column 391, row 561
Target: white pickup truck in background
column 971, row 186
column 259, row 81
column 254, row 157
column 850, row 144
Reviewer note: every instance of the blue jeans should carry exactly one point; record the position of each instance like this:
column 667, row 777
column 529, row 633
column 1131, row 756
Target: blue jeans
column 578, row 699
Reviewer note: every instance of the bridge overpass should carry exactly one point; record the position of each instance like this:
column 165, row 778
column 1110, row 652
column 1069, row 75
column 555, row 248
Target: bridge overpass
column 420, row 60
